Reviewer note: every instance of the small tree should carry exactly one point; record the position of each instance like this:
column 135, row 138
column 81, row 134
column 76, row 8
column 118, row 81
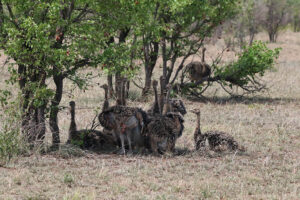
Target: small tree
column 48, row 40
column 294, row 7
column 254, row 16
column 276, row 17
column 184, row 27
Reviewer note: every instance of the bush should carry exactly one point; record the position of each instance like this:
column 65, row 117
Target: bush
column 252, row 63
column 11, row 140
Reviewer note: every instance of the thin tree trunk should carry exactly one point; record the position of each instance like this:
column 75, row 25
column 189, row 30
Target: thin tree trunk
column 118, row 88
column 110, row 86
column 58, row 80
column 41, row 123
column 252, row 35
column 127, row 89
column 109, row 76
column 272, row 37
column 150, row 62
column 119, row 80
column 33, row 118
column 148, row 77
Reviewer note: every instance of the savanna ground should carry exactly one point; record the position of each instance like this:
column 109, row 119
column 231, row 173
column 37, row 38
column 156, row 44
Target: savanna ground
column 267, row 124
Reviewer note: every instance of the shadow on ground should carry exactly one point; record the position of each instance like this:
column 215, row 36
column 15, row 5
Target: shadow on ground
column 246, row 100
column 67, row 151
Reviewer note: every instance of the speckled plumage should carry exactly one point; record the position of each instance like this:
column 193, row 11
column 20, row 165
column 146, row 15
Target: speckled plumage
column 164, row 128
column 124, row 122
column 217, row 140
column 198, row 70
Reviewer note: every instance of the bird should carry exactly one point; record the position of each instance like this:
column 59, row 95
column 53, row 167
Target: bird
column 86, row 138
column 126, row 123
column 199, row 70
column 217, row 140
column 163, row 129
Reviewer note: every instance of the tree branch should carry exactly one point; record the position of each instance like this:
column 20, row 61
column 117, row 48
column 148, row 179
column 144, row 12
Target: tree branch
column 11, row 14
column 81, row 14
column 1, row 14
column 77, row 65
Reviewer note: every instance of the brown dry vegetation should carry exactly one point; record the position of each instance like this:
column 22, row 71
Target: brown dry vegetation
column 268, row 125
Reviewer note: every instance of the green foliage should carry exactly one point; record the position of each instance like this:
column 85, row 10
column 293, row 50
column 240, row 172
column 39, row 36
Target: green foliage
column 68, row 179
column 79, row 139
column 11, row 142
column 294, row 6
column 254, row 60
column 4, row 96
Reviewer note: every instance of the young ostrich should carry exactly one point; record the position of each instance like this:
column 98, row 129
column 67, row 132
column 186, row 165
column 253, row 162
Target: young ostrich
column 198, row 70
column 163, row 130
column 126, row 123
column 86, row 138
column 217, row 140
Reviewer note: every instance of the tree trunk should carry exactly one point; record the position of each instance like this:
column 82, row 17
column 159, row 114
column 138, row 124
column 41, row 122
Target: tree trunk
column 109, row 76
column 33, row 118
column 150, row 62
column 148, row 77
column 252, row 35
column 110, row 86
column 119, row 80
column 41, row 129
column 118, row 88
column 272, row 37
column 58, row 80
column 127, row 90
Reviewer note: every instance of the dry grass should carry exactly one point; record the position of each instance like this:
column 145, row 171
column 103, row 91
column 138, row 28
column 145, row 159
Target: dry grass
column 268, row 125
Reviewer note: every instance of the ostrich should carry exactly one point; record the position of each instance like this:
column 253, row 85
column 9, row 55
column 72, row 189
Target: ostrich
column 86, row 138
column 125, row 123
column 163, row 130
column 198, row 70
column 178, row 106
column 217, row 140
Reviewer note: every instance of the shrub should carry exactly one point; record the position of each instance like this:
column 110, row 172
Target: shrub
column 11, row 140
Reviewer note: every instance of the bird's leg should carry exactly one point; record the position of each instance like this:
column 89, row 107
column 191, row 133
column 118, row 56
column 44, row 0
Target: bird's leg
column 129, row 143
column 153, row 144
column 170, row 147
column 122, row 137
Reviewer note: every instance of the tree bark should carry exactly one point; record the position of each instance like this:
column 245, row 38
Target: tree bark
column 148, row 77
column 119, row 79
column 33, row 118
column 110, row 77
column 58, row 80
column 272, row 37
column 150, row 57
column 110, row 86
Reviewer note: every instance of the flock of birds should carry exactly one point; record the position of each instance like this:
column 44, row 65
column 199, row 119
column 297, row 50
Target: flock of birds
column 155, row 131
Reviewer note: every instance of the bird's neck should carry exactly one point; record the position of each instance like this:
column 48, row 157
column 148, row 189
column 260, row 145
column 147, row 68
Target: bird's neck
column 105, row 93
column 198, row 124
column 156, row 104
column 167, row 105
column 73, row 123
